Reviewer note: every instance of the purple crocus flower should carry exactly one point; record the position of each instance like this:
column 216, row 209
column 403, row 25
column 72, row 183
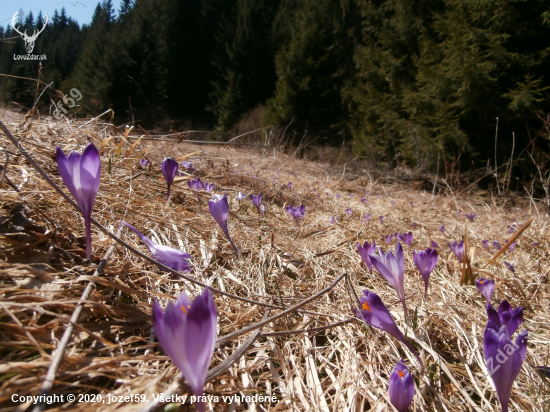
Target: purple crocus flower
column 389, row 238
column 407, row 238
column 434, row 244
column 365, row 251
column 144, row 162
column 168, row 256
column 219, row 209
column 458, row 249
column 333, row 220
column 195, row 184
column 367, row 217
column 337, row 196
column 512, row 246
column 289, row 184
column 169, row 169
column 503, row 357
column 392, row 268
column 381, row 219
column 510, row 267
column 262, row 208
column 401, row 388
column 81, row 174
column 414, row 225
column 240, row 196
column 442, row 229
column 363, row 199
column 375, row 313
column 471, row 216
column 505, row 316
column 534, row 244
column 188, row 166
column 348, row 211
column 187, row 333
column 425, row 261
column 296, row 212
column 485, row 243
column 208, row 187
column 486, row 288
column 496, row 245
column 257, row 201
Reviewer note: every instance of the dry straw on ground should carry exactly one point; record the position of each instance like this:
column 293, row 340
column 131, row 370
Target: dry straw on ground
column 113, row 351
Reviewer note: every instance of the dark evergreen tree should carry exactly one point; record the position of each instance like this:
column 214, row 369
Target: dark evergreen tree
column 314, row 63
column 433, row 75
column 243, row 60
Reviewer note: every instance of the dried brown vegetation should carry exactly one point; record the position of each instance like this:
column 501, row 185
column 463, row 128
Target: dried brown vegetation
column 112, row 349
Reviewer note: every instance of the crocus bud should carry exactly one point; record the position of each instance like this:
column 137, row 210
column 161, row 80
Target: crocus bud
column 169, row 170
column 458, row 249
column 187, row 333
column 257, row 201
column 486, row 288
column 365, row 251
column 401, row 388
column 219, row 209
column 504, row 358
column 81, row 174
column 425, row 261
column 296, row 212
column 168, row 256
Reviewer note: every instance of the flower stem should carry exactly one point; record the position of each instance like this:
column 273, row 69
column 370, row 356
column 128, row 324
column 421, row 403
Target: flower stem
column 88, row 228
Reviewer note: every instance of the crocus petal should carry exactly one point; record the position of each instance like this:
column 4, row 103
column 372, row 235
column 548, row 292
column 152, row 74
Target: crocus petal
column 168, row 256
column 493, row 316
column 365, row 251
column 504, row 307
column 486, row 288
column 380, row 265
column 201, row 322
column 169, row 169
column 516, row 319
column 392, row 269
column 90, row 172
column 401, row 388
column 174, row 330
column 375, row 313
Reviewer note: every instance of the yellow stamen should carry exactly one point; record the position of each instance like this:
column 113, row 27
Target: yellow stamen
column 366, row 306
column 183, row 308
column 400, row 374
column 481, row 282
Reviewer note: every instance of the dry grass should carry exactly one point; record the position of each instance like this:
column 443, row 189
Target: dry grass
column 113, row 351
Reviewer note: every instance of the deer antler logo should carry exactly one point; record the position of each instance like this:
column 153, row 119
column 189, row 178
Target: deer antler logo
column 29, row 40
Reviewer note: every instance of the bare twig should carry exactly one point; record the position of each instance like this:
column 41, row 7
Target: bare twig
column 281, row 314
column 56, row 361
column 5, row 169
